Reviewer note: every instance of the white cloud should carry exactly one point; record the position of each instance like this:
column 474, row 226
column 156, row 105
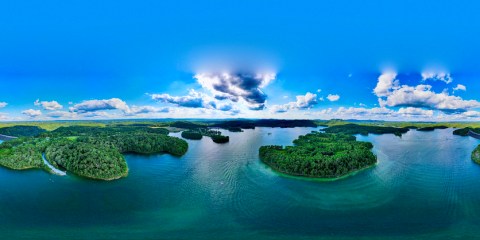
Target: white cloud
column 423, row 96
column 62, row 114
column 52, row 105
column 194, row 99
column 352, row 111
column 436, row 76
column 460, row 87
column 386, row 82
column 303, row 102
column 420, row 96
column 411, row 111
column 3, row 104
column 333, row 97
column 319, row 90
column 32, row 113
column 471, row 114
column 146, row 109
column 99, row 105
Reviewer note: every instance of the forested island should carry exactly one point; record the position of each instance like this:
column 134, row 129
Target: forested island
column 198, row 133
column 476, row 154
column 192, row 135
column 320, row 155
column 92, row 152
column 352, row 129
column 427, row 129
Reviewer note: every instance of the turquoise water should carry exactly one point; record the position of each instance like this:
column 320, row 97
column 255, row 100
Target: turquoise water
column 424, row 186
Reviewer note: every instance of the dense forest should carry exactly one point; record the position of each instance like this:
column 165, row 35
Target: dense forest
column 464, row 131
column 22, row 153
column 198, row 133
column 431, row 128
column 142, row 143
column 22, row 131
column 352, row 129
column 220, row 138
column 192, row 135
column 321, row 155
column 101, row 131
column 87, row 160
column 93, row 152
column 476, row 154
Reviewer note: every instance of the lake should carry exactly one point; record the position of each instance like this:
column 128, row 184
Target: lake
column 424, row 186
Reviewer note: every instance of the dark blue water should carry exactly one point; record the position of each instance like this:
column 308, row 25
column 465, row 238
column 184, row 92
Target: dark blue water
column 424, row 186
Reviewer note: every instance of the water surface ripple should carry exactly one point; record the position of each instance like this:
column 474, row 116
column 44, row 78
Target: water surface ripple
column 424, row 186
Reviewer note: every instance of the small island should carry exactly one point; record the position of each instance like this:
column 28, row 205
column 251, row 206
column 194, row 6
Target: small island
column 476, row 155
column 431, row 128
column 320, row 155
column 198, row 133
column 220, row 138
column 192, row 135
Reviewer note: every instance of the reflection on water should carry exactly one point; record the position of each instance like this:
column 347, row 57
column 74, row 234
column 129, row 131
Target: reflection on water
column 424, row 185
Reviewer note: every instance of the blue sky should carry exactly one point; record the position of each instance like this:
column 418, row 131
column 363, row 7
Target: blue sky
column 390, row 60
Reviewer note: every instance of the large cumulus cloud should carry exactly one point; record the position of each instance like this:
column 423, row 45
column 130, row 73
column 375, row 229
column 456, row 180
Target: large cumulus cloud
column 48, row 105
column 98, row 105
column 237, row 86
column 306, row 101
column 391, row 93
column 32, row 113
column 194, row 99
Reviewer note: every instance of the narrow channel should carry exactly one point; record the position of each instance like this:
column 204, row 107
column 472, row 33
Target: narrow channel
column 54, row 170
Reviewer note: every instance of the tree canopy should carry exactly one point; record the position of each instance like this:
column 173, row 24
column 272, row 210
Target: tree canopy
column 92, row 152
column 352, row 129
column 22, row 131
column 321, row 155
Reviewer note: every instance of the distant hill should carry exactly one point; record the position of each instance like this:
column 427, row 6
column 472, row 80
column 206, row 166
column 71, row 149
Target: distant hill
column 22, row 131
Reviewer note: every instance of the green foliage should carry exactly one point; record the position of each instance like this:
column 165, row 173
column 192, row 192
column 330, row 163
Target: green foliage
column 462, row 131
column 465, row 131
column 22, row 131
column 87, row 160
column 431, row 128
column 196, row 134
column 352, row 129
column 320, row 155
column 23, row 153
column 193, row 135
column 92, row 152
column 187, row 125
column 142, row 143
column 101, row 131
column 476, row 154
column 220, row 138
column 235, row 129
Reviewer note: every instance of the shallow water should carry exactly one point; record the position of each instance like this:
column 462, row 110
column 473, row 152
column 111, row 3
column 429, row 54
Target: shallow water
column 424, row 185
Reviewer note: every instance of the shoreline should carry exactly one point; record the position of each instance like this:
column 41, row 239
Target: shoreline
column 318, row 179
